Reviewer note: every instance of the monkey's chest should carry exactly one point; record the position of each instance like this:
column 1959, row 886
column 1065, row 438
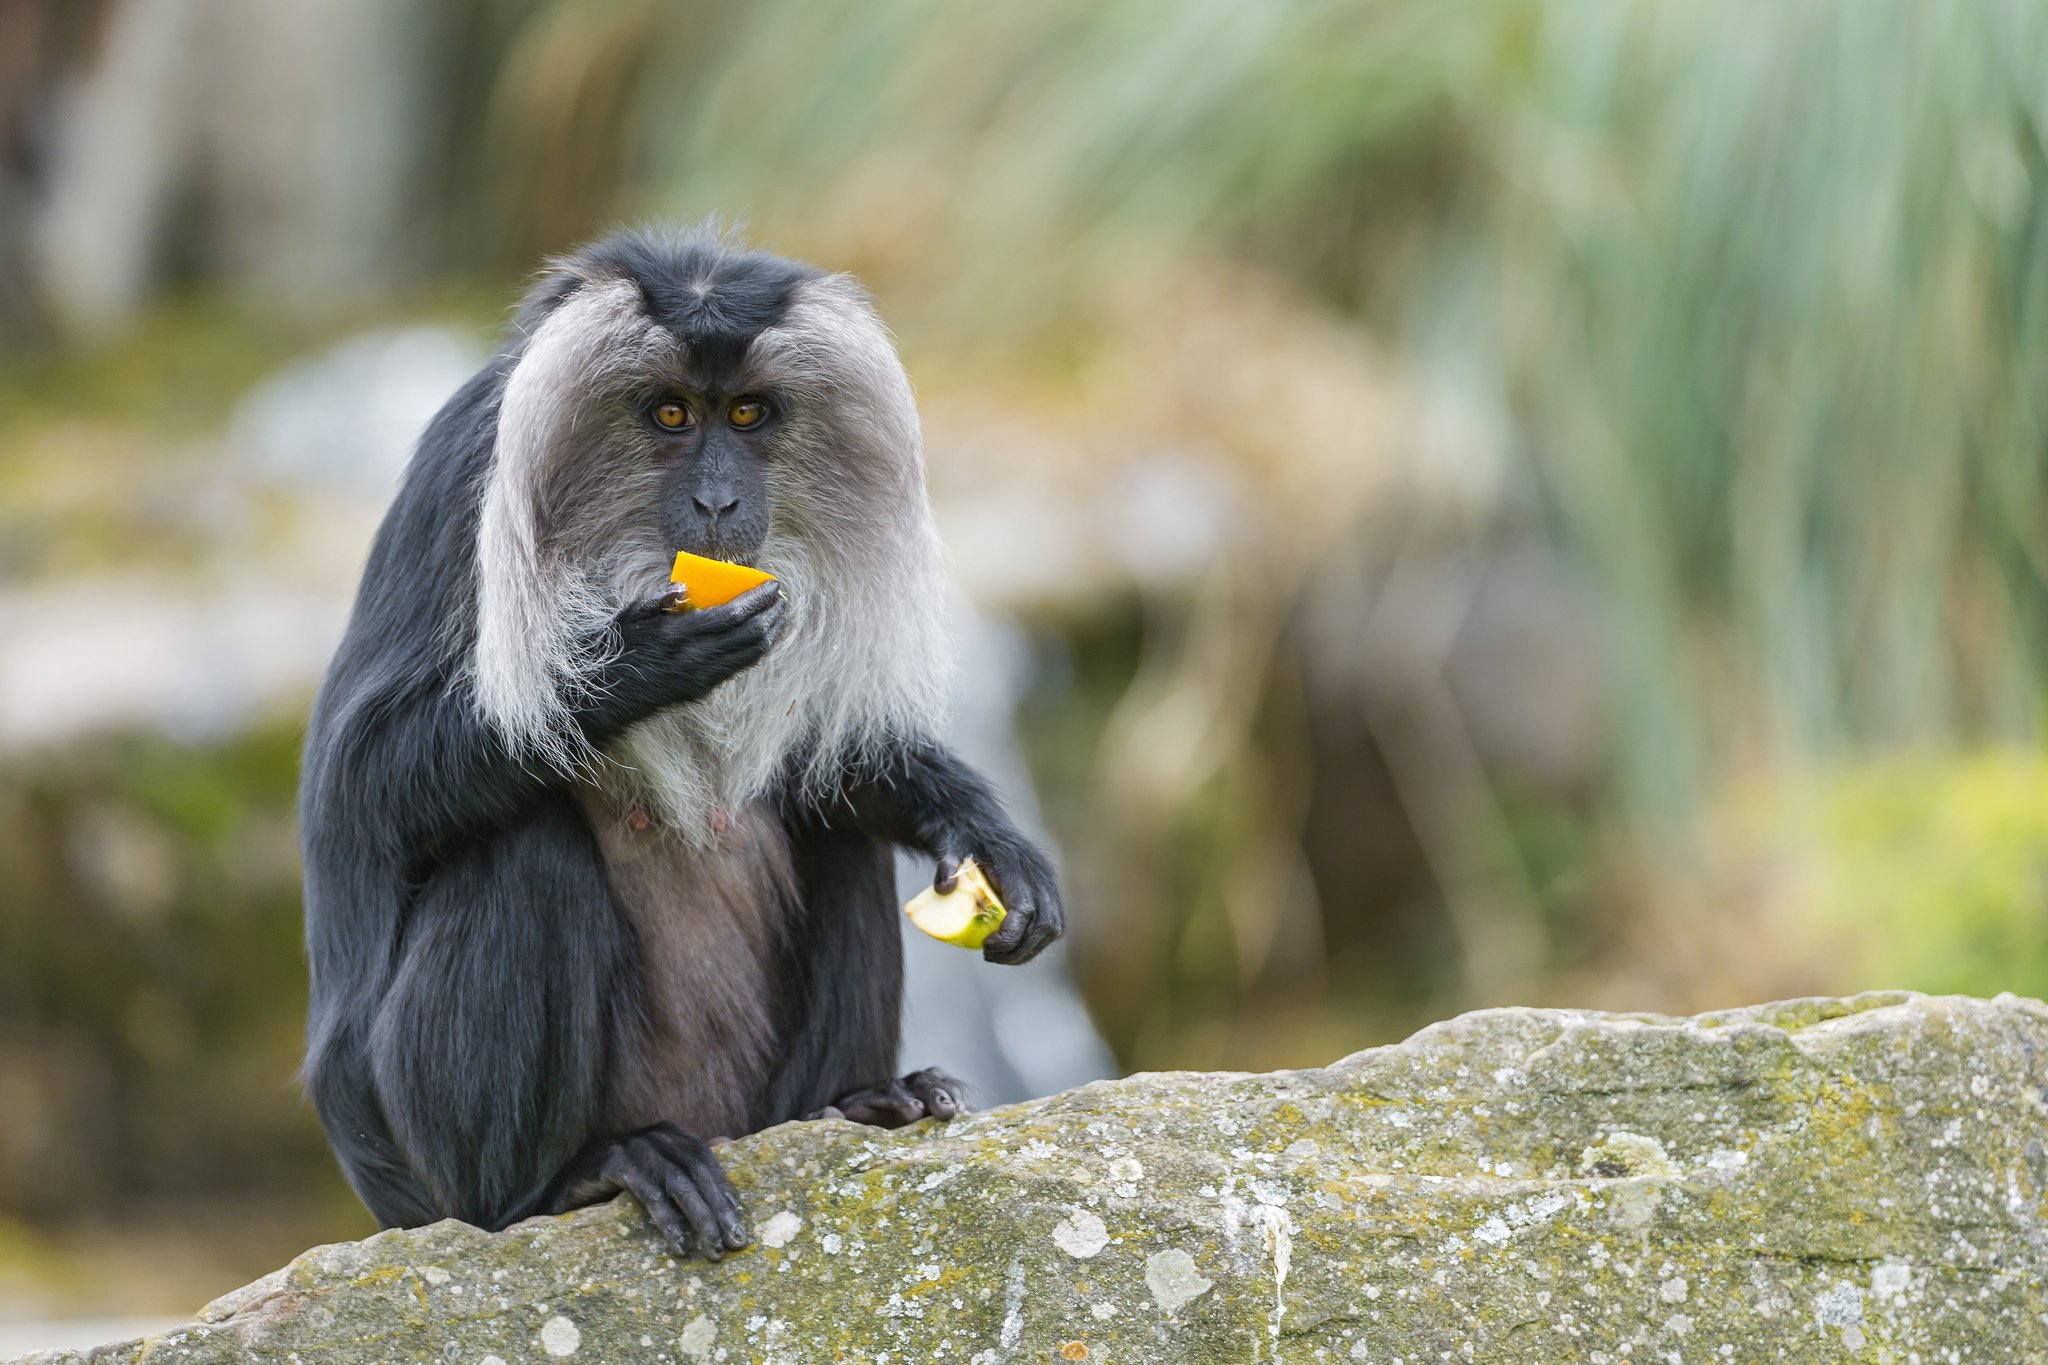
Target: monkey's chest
column 711, row 920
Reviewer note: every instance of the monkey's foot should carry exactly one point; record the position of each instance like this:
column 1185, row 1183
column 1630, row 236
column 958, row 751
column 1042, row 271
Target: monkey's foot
column 930, row 1093
column 676, row 1179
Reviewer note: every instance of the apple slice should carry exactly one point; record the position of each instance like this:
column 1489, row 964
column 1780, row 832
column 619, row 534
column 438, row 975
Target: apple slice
column 964, row 916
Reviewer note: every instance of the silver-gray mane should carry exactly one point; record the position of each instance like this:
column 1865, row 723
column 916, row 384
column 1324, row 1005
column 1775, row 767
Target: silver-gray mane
column 569, row 536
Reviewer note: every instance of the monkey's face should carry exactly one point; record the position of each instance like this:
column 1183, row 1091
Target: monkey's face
column 673, row 393
column 712, row 448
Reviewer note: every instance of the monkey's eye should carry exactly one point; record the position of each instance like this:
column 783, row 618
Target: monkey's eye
column 671, row 415
column 747, row 412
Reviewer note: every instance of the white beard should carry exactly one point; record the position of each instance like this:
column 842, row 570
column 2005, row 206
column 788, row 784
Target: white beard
column 863, row 656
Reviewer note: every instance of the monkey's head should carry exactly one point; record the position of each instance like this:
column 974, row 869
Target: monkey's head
column 668, row 393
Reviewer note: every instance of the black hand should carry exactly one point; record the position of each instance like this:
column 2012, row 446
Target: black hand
column 666, row 656
column 677, row 1179
column 922, row 797
column 1029, row 888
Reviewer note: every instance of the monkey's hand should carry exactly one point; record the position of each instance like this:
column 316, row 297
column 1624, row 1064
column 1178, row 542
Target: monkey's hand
column 926, row 1094
column 666, row 656
column 1029, row 888
column 677, row 1179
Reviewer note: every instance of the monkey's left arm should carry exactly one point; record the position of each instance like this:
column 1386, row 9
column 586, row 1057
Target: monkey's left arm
column 921, row 796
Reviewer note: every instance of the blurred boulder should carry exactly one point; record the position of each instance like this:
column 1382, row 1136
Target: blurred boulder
column 313, row 455
column 1816, row 1180
column 345, row 421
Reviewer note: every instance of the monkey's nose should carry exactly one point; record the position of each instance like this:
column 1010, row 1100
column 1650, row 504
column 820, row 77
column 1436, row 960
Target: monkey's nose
column 715, row 506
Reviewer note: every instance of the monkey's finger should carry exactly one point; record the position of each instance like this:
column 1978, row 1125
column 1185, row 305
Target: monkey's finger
column 1034, row 938
column 637, row 618
column 889, row 1105
column 758, row 598
column 682, row 1191
column 1046, row 933
column 1013, row 886
column 897, row 1108
column 767, row 624
column 724, row 1202
column 643, row 1186
column 1007, row 935
column 695, row 1159
column 745, row 645
column 774, row 622
column 1020, row 937
column 752, row 629
column 947, row 877
column 726, row 615
column 1049, row 919
column 1042, row 936
column 733, row 1222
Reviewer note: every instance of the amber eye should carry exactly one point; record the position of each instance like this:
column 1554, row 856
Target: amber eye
column 671, row 415
column 748, row 412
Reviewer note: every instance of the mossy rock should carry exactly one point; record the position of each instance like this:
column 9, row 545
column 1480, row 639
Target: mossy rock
column 1811, row 1181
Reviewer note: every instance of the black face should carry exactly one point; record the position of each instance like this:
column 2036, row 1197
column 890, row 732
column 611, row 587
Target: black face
column 714, row 447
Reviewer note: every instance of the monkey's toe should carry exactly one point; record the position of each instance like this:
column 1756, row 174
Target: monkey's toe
column 930, row 1093
column 942, row 1095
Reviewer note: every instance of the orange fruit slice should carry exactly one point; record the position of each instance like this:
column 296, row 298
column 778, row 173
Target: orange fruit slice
column 712, row 582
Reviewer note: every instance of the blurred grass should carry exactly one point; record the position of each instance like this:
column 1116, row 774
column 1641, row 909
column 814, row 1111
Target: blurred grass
column 1758, row 289
column 1767, row 288
column 1737, row 307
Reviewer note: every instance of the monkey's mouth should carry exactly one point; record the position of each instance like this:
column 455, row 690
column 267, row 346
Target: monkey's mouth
column 733, row 544
column 722, row 550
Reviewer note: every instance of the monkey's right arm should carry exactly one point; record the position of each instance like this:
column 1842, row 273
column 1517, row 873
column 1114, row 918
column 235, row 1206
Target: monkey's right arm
column 920, row 795
column 424, row 771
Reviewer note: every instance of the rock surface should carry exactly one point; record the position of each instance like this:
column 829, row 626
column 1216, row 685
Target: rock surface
column 1818, row 1180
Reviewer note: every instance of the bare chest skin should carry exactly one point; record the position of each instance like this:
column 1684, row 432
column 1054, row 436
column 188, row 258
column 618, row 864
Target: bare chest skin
column 710, row 920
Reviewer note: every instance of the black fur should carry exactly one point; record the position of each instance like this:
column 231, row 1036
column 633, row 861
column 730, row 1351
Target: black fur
column 696, row 287
column 476, row 988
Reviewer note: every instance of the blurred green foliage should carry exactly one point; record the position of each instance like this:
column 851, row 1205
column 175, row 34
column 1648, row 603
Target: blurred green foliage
column 1931, row 870
column 1739, row 305
column 1754, row 293
column 176, row 373
column 151, row 1005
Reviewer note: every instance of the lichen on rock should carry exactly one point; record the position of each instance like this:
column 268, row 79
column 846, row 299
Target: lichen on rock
column 1837, row 1180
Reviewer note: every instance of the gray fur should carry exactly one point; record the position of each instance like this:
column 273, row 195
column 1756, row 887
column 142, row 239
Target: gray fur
column 570, row 538
column 540, row 606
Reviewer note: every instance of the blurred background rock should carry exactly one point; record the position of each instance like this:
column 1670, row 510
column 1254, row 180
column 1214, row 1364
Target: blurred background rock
column 1451, row 504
